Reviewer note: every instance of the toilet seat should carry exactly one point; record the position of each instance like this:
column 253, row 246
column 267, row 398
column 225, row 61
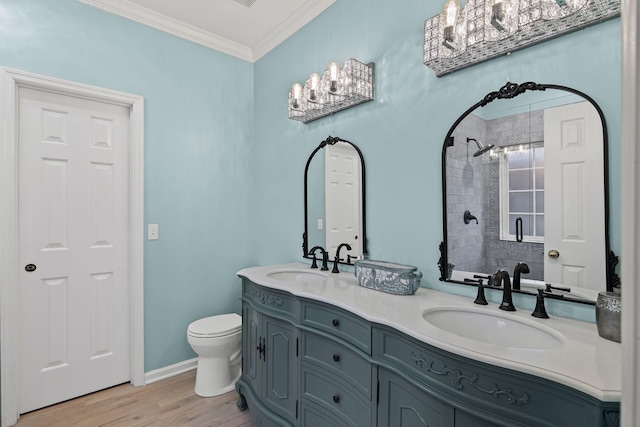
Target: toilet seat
column 216, row 326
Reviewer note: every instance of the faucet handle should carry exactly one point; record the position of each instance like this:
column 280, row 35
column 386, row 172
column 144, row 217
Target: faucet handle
column 336, row 260
column 540, row 311
column 325, row 259
column 480, row 298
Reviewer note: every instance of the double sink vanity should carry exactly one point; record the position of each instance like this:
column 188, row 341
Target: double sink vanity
column 525, row 189
column 319, row 350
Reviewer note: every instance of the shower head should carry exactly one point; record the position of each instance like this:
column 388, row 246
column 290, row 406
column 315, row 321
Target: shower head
column 481, row 147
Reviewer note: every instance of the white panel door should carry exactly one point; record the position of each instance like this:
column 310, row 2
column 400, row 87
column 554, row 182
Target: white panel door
column 342, row 199
column 574, row 217
column 74, row 228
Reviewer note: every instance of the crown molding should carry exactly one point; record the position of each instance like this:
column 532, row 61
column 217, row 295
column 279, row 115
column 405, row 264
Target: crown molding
column 180, row 29
column 292, row 24
column 169, row 25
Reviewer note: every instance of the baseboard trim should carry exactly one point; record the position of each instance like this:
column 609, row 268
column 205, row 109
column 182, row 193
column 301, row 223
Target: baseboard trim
column 170, row 371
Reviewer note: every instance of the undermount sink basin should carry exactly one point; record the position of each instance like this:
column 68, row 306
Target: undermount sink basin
column 493, row 328
column 298, row 275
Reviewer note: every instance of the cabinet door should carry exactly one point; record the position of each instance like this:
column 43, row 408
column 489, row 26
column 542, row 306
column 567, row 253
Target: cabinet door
column 281, row 367
column 464, row 419
column 404, row 405
column 252, row 339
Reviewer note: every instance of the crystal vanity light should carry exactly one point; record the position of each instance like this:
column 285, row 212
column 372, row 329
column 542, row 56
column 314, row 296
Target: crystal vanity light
column 337, row 89
column 483, row 29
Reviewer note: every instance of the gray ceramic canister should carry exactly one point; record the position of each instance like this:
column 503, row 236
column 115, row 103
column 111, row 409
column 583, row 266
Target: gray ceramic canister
column 608, row 311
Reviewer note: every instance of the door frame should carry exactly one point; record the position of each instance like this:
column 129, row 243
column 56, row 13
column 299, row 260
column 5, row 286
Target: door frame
column 630, row 209
column 10, row 81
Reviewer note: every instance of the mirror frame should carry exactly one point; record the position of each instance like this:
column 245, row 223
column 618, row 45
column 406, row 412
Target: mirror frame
column 508, row 91
column 332, row 140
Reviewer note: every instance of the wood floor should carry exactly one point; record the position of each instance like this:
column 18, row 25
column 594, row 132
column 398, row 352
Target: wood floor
column 170, row 402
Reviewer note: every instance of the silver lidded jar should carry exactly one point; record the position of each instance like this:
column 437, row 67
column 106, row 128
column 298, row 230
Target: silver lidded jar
column 608, row 312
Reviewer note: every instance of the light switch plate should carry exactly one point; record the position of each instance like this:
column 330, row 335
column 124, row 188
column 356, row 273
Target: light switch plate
column 152, row 232
column 320, row 225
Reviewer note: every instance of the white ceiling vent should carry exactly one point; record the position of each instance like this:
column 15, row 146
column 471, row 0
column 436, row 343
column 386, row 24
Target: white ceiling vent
column 247, row 3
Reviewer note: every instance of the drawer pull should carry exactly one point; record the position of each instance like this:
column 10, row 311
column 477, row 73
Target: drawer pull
column 336, row 398
column 336, row 357
column 335, row 322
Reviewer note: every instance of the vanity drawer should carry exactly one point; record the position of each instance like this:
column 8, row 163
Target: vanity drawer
column 314, row 416
column 338, row 322
column 271, row 301
column 329, row 355
column 336, row 397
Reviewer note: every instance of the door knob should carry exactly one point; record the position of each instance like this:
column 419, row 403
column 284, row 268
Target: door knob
column 30, row 267
column 553, row 254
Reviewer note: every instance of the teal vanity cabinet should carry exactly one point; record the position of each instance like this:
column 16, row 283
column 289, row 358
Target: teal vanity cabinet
column 269, row 382
column 304, row 363
column 421, row 385
column 310, row 363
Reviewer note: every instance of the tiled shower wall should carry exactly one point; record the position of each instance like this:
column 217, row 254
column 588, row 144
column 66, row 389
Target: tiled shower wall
column 466, row 191
column 473, row 183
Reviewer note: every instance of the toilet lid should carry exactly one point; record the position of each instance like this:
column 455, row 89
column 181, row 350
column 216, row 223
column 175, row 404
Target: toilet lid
column 216, row 326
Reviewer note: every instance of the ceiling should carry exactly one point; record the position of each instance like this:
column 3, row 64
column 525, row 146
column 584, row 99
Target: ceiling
column 246, row 29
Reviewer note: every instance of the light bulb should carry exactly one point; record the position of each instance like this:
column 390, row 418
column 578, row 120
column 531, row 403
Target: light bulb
column 296, row 89
column 450, row 16
column 450, row 12
column 315, row 80
column 333, row 76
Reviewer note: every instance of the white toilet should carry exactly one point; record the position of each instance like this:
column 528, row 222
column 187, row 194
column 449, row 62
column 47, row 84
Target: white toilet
column 218, row 342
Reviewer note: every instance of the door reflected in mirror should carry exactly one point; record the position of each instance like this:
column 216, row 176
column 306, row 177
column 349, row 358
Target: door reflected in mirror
column 538, row 191
column 334, row 200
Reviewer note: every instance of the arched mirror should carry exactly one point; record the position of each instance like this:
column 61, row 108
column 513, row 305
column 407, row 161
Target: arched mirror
column 334, row 200
column 525, row 179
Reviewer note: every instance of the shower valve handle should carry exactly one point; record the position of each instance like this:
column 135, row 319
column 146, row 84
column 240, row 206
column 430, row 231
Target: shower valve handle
column 468, row 217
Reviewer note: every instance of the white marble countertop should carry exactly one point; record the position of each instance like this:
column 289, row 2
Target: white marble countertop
column 585, row 361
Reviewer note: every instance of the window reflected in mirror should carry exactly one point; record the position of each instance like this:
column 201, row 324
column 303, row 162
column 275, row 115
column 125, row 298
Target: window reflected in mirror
column 522, row 192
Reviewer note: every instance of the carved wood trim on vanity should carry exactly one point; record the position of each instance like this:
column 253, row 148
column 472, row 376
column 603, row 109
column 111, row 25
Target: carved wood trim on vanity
column 265, row 298
column 458, row 376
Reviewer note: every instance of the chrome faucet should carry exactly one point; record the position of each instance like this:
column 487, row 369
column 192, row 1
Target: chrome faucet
column 337, row 258
column 502, row 277
column 521, row 268
column 325, row 258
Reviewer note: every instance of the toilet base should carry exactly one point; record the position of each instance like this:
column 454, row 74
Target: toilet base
column 215, row 377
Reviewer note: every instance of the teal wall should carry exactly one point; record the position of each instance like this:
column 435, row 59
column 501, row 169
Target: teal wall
column 198, row 145
column 401, row 132
column 224, row 165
